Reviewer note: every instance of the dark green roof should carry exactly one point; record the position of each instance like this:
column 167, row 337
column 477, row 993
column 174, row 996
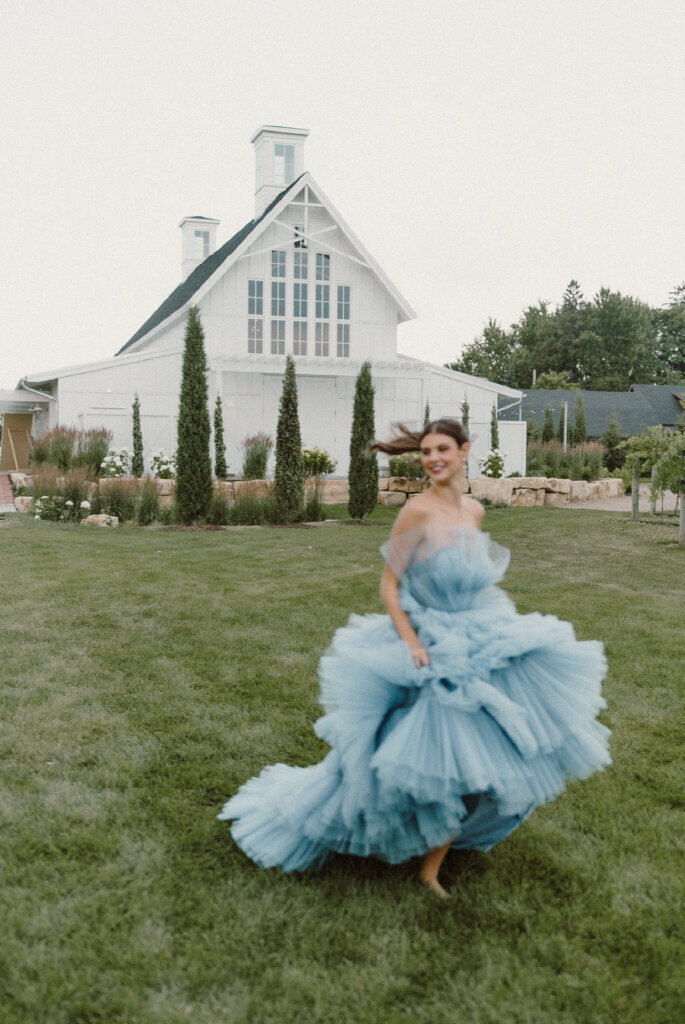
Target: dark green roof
column 633, row 408
column 186, row 289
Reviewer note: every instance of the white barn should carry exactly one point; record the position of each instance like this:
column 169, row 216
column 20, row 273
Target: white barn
column 295, row 279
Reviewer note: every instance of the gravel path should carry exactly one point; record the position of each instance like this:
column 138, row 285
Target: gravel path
column 624, row 503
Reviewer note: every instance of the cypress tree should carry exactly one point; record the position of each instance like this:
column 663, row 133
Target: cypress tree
column 220, row 467
column 560, row 425
column 548, row 425
column 426, row 415
column 289, row 476
column 193, row 465
column 465, row 424
column 137, row 463
column 579, row 434
column 614, row 455
column 494, row 429
column 363, row 472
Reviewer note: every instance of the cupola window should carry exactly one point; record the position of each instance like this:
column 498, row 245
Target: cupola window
column 284, row 163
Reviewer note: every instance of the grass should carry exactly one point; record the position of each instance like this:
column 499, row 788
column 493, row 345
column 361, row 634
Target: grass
column 149, row 672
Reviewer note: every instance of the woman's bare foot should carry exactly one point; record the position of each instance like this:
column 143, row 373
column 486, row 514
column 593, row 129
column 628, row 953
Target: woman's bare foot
column 434, row 885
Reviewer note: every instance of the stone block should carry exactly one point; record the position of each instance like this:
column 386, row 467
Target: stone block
column 580, row 490
column 493, row 489
column 337, row 492
column 402, row 483
column 615, row 487
column 555, row 498
column 539, row 496
column 525, row 497
column 393, row 499
column 254, row 488
column 557, row 484
column 23, row 503
column 101, row 520
column 530, row 482
column 383, row 483
column 224, row 489
column 594, row 491
column 165, row 487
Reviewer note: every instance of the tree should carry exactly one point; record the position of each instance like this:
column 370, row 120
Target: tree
column 220, row 467
column 553, row 381
column 560, row 425
column 426, row 415
column 465, row 424
column 137, row 464
column 625, row 351
column 363, row 472
column 548, row 425
column 569, row 324
column 614, row 455
column 490, row 355
column 670, row 327
column 194, row 488
column 579, row 429
column 289, row 475
column 494, row 429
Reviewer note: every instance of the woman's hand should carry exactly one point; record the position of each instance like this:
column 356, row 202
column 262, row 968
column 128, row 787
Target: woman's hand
column 419, row 655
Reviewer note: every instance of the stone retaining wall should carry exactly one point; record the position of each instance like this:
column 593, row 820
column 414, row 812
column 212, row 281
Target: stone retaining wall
column 394, row 491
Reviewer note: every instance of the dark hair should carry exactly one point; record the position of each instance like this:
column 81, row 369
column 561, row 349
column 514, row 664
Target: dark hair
column 405, row 440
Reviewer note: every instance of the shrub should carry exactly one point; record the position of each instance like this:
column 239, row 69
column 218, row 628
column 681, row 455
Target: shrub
column 162, row 466
column 194, row 487
column 119, row 499
column 220, row 467
column 493, row 464
column 614, row 454
column 363, row 472
column 117, row 462
column 249, row 510
column 92, row 446
column 408, row 466
column 256, row 451
column 314, row 508
column 317, row 462
column 581, row 462
column 289, row 474
column 147, row 509
column 219, row 511
column 137, row 464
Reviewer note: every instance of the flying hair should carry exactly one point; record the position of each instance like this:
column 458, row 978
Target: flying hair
column 405, row 440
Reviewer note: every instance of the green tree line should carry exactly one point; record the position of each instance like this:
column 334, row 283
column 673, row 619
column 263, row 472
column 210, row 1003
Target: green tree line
column 605, row 344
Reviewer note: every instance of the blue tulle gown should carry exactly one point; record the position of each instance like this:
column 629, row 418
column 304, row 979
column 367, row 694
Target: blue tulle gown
column 463, row 749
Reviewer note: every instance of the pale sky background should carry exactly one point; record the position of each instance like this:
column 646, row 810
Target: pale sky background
column 485, row 152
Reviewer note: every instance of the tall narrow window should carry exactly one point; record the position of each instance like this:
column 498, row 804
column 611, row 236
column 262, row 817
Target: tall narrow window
column 201, row 245
column 321, row 339
column 343, row 349
column 323, row 304
column 300, row 300
column 300, row 240
column 323, row 266
column 300, row 338
column 284, row 163
column 277, row 337
column 343, row 302
column 278, row 298
column 278, row 262
column 255, row 298
column 255, row 310
column 255, row 336
column 300, row 266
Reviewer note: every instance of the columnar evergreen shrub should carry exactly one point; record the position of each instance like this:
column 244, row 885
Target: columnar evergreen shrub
column 363, row 472
column 220, row 467
column 465, row 411
column 579, row 432
column 289, row 475
column 494, row 429
column 548, row 425
column 614, row 454
column 426, row 415
column 147, row 509
column 194, row 487
column 137, row 464
column 560, row 426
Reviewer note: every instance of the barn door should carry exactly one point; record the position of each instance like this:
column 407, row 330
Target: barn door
column 16, row 442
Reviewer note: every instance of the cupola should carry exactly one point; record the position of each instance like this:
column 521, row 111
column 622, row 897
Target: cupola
column 198, row 241
column 279, row 159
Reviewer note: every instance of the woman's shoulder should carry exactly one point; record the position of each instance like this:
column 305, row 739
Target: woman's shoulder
column 474, row 509
column 415, row 513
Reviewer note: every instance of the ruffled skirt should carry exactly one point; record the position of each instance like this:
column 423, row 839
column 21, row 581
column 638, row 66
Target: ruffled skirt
column 461, row 750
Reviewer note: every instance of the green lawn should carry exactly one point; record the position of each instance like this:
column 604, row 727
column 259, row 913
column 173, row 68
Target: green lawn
column 148, row 672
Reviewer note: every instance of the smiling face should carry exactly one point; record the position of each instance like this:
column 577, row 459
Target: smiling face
column 442, row 458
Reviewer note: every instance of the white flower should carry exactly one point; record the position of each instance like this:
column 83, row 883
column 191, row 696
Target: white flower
column 85, row 504
column 36, row 517
column 68, row 503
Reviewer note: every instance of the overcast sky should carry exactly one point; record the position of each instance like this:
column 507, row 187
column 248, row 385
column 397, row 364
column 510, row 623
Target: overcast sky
column 485, row 152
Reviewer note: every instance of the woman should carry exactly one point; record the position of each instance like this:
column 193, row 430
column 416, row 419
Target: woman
column 450, row 718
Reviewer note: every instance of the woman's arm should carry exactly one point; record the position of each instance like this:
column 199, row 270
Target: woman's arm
column 390, row 584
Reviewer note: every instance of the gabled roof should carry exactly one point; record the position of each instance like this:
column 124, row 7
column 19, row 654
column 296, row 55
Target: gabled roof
column 186, row 289
column 633, row 409
column 666, row 400
column 198, row 282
